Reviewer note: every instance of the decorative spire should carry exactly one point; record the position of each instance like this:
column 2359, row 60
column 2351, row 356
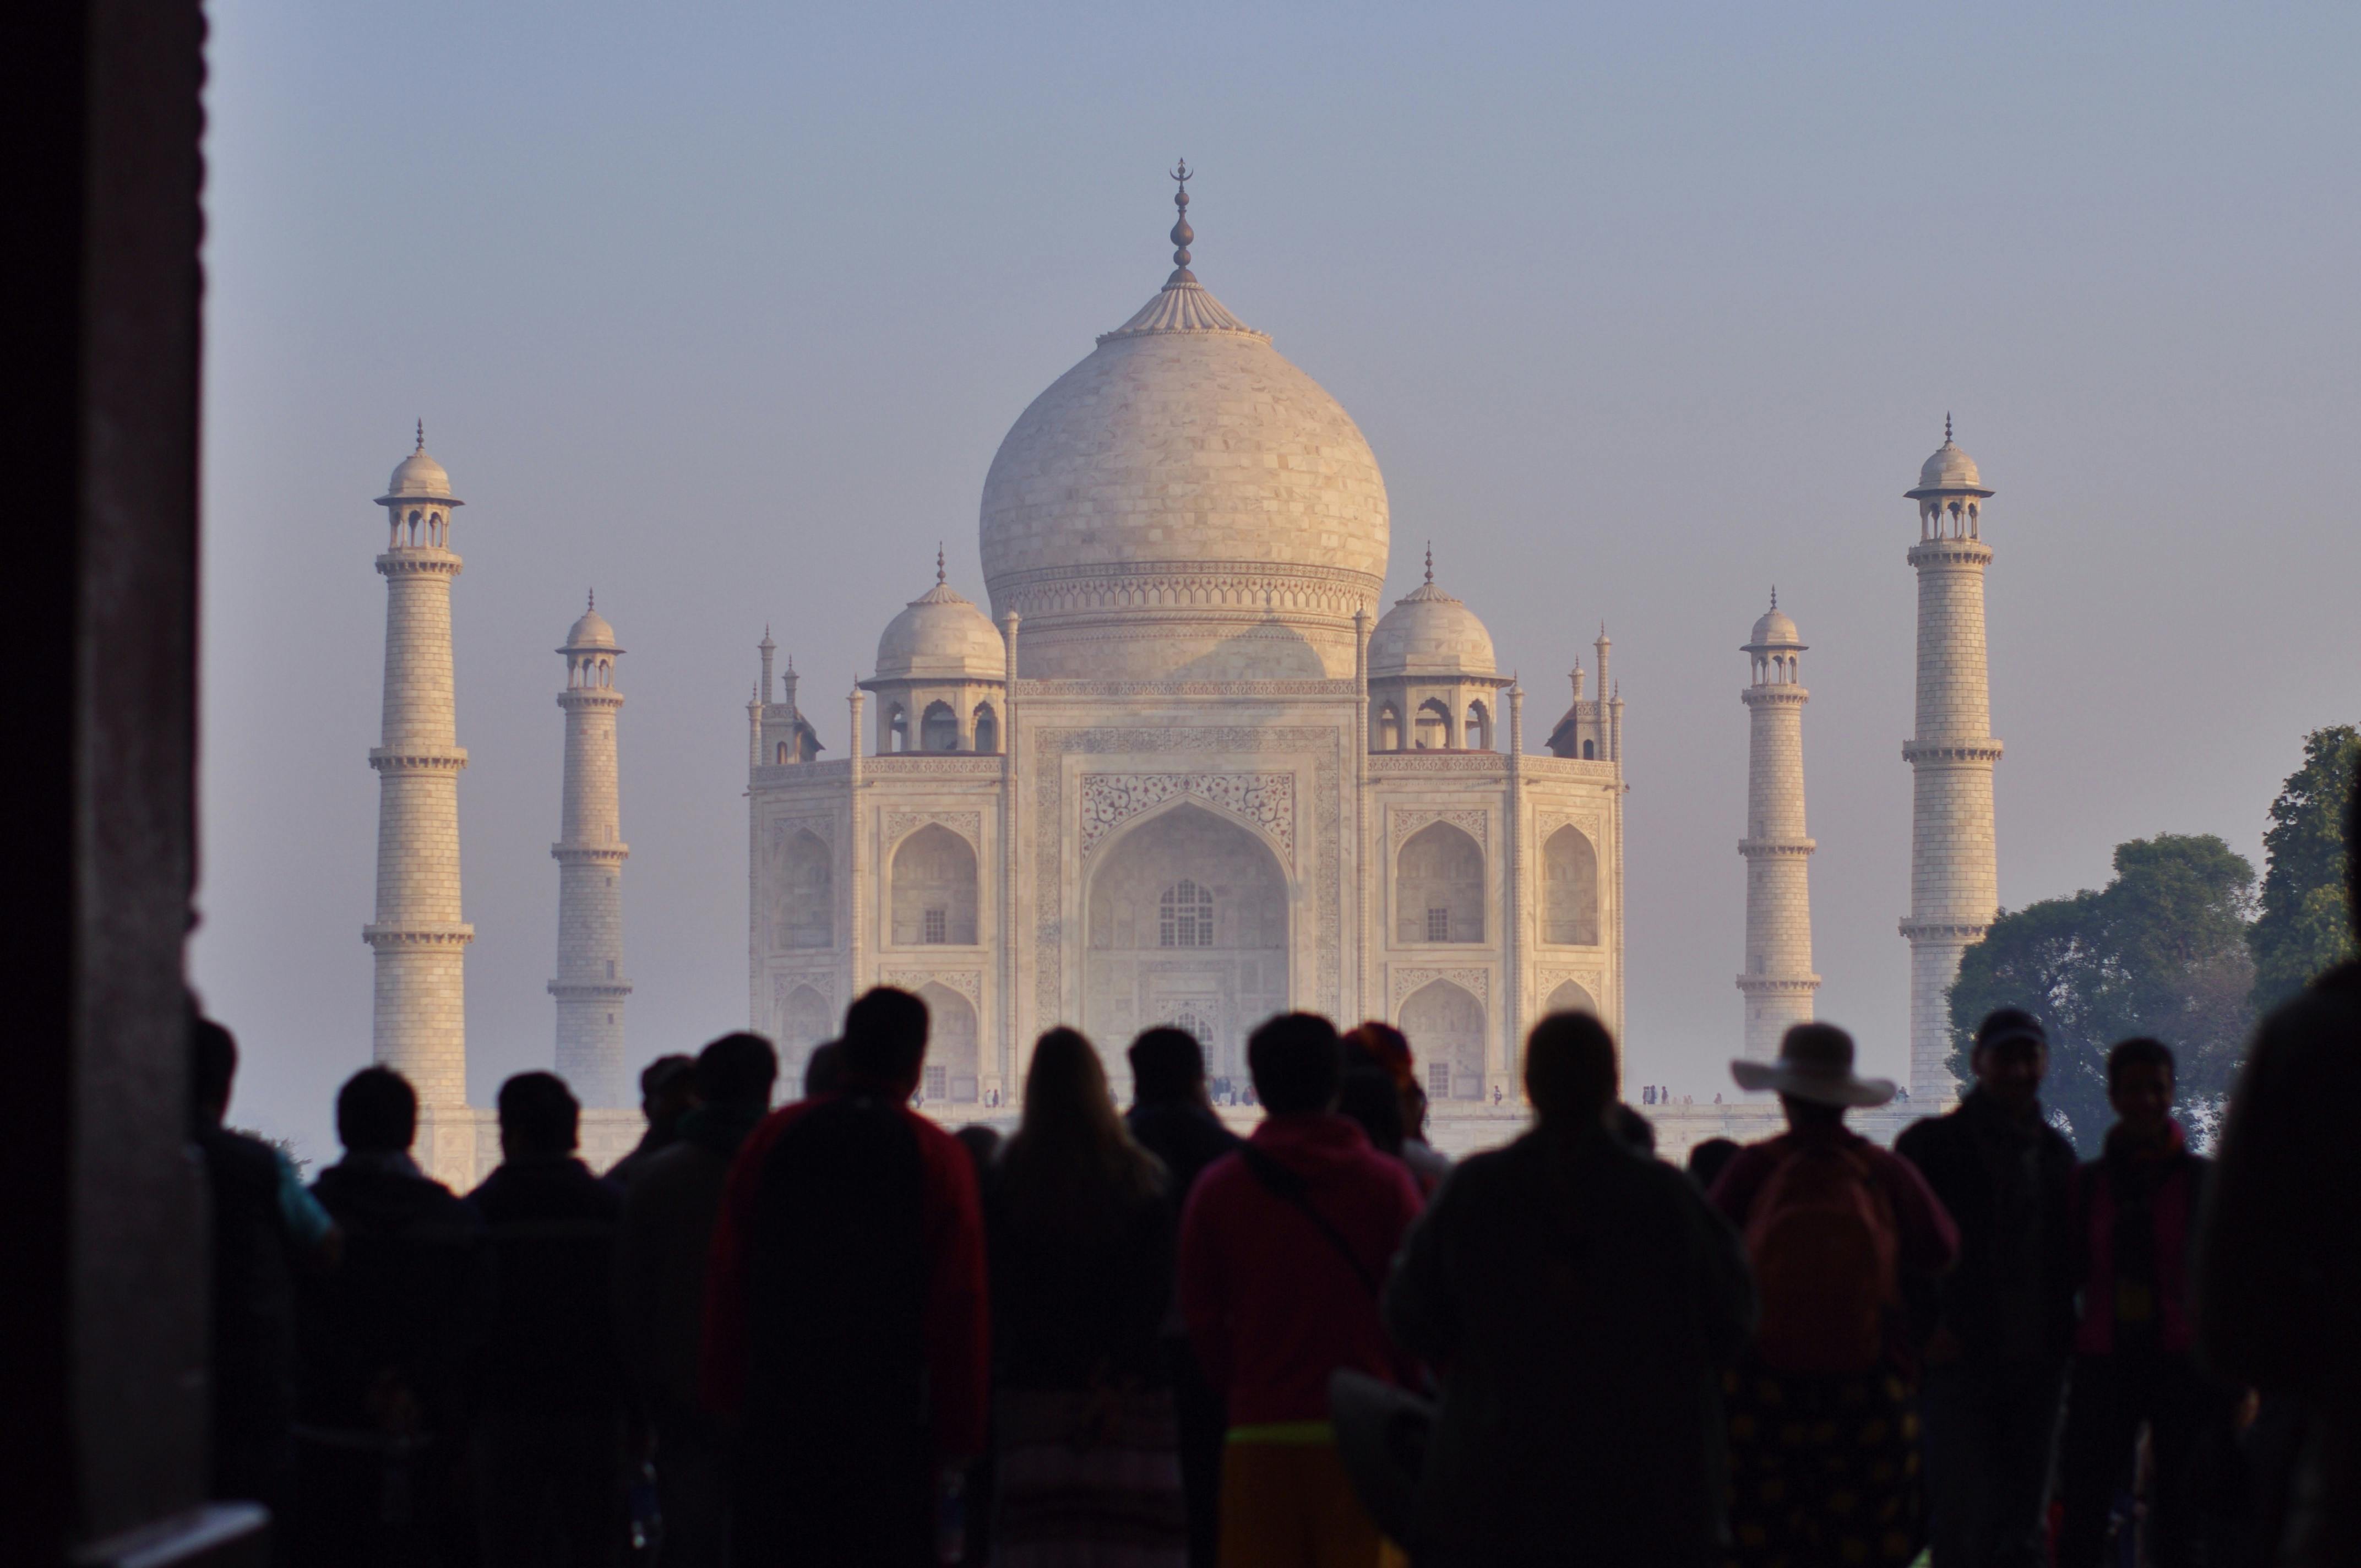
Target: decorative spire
column 1946, row 426
column 1774, row 595
column 421, row 432
column 1430, row 560
column 939, row 562
column 594, row 604
column 1182, row 233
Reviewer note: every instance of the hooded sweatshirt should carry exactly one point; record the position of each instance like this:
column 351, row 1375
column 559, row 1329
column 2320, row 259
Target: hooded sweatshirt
column 1272, row 1302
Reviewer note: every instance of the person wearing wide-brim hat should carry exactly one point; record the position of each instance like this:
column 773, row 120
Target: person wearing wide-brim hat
column 1815, row 1065
column 1847, row 1490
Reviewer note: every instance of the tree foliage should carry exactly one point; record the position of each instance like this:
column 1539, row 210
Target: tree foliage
column 2304, row 928
column 2160, row 950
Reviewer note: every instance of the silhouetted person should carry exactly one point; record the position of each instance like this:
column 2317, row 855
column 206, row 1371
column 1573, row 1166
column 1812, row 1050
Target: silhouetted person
column 2280, row 1256
column 549, row 1427
column 1173, row 1117
column 847, row 1332
column 1284, row 1246
column 1710, row 1159
column 1083, row 1434
column 386, row 1338
column 1582, row 1300
column 667, row 1092
column 263, row 1226
column 822, row 1067
column 2135, row 1212
column 1996, row 1330
column 1389, row 1048
column 1634, row 1129
column 660, row 1254
column 1823, row 1466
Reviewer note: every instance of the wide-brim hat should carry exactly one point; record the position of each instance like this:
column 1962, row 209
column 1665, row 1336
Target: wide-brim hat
column 1814, row 1065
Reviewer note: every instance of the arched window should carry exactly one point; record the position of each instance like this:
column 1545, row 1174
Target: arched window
column 1479, row 728
column 1570, row 889
column 1590, row 751
column 1570, row 997
column 1434, row 726
column 1184, row 915
column 934, row 888
column 897, row 729
column 938, row 730
column 1389, row 729
column 987, row 729
column 1446, row 1025
column 1439, row 892
column 783, row 753
column 807, row 908
column 413, row 527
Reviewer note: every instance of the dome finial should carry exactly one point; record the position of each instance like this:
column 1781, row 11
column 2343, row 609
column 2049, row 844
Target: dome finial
column 1430, row 560
column 594, row 605
column 1947, row 425
column 1774, row 595
column 421, row 432
column 1182, row 233
column 939, row 560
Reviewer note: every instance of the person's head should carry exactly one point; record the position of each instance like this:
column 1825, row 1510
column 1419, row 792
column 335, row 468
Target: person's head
column 1167, row 1065
column 1296, row 1060
column 2139, row 1087
column 1384, row 1046
column 2011, row 1057
column 736, row 1070
column 886, row 1039
column 822, row 1068
column 213, row 1067
column 1632, row 1128
column 539, row 1117
column 1071, row 1164
column 1570, row 1070
column 377, row 1112
column 667, row 1090
column 1707, row 1161
column 983, row 1145
column 1368, row 1095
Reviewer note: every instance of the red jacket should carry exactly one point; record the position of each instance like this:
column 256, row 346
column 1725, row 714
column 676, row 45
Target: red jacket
column 2169, row 1183
column 956, row 1325
column 1271, row 1304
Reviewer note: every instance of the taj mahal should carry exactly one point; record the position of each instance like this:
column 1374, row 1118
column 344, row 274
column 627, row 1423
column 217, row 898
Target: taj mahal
column 1180, row 765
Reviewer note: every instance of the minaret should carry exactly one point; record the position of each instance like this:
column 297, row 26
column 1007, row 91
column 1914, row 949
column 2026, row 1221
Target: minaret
column 1778, row 982
column 1954, row 887
column 421, row 1024
column 590, row 988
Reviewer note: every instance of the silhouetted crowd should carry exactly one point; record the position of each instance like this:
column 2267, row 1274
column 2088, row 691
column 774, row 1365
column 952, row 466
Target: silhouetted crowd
column 833, row 1332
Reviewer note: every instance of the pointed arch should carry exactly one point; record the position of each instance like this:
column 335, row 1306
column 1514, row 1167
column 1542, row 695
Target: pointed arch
column 807, row 909
column 1432, row 726
column 1570, row 997
column 1439, row 887
column 939, row 728
column 805, row 1020
column 951, row 1066
column 987, row 729
column 934, row 889
column 1570, row 889
column 1446, row 1025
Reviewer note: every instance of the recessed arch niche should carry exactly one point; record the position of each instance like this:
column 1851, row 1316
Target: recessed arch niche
column 951, row 1068
column 807, row 912
column 1570, row 889
column 933, row 889
column 1225, row 969
column 805, row 1021
column 1439, row 886
column 1446, row 1025
column 1570, row 997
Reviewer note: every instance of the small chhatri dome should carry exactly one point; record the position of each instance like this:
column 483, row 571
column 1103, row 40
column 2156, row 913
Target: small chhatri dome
column 1428, row 633
column 419, row 477
column 1772, row 630
column 940, row 634
column 1949, row 472
column 590, row 632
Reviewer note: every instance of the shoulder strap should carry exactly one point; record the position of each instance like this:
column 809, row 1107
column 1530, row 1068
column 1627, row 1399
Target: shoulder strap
column 1287, row 1185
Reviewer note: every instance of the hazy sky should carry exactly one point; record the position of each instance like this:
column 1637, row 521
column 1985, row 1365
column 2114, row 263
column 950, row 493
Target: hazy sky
column 724, row 309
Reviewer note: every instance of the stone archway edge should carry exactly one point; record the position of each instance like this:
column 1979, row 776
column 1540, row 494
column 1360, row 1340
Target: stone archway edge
column 1262, row 801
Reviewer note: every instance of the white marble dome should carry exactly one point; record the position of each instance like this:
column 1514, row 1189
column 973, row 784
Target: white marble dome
column 939, row 634
column 1950, row 469
column 1428, row 633
column 1772, row 628
column 419, row 476
column 1181, row 484
column 590, row 632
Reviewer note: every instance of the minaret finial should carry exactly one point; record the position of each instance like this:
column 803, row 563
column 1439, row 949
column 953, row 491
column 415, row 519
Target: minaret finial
column 594, row 598
column 1774, row 595
column 421, row 432
column 1947, row 425
column 1182, row 233
column 939, row 562
column 1430, row 561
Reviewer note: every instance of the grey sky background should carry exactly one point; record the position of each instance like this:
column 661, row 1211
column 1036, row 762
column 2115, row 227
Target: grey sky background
column 724, row 309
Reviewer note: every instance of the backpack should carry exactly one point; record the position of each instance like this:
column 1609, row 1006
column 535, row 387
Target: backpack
column 1823, row 1243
